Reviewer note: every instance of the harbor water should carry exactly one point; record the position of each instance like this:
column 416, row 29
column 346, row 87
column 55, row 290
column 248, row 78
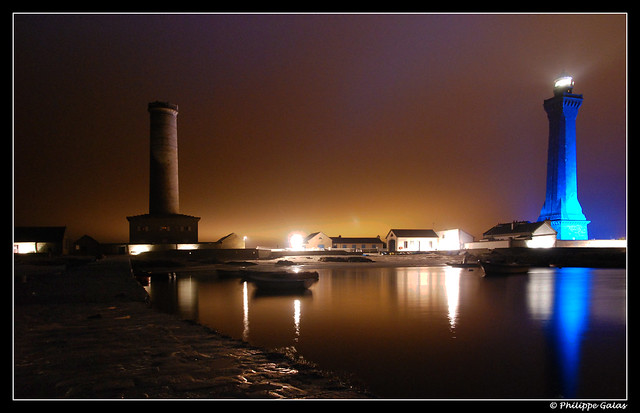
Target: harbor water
column 432, row 332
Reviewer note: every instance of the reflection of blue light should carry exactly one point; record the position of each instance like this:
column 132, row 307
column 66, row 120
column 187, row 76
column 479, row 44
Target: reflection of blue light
column 569, row 321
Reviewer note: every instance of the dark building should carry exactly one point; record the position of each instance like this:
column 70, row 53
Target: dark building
column 523, row 234
column 46, row 240
column 164, row 223
column 86, row 245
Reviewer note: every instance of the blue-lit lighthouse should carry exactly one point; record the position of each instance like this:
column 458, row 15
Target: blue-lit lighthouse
column 561, row 205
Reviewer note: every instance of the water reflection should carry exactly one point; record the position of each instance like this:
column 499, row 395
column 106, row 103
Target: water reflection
column 561, row 300
column 429, row 290
column 245, row 311
column 296, row 319
column 175, row 294
column 393, row 327
column 452, row 287
column 187, row 291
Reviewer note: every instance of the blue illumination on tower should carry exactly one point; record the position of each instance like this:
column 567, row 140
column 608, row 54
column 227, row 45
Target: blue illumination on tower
column 561, row 205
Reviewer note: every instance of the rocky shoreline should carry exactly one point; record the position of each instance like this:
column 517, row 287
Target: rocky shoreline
column 85, row 330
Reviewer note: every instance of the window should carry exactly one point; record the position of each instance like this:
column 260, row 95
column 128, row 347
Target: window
column 165, row 228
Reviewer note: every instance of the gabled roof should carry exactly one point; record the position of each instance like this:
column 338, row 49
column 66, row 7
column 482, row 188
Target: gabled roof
column 86, row 239
column 514, row 228
column 308, row 237
column 38, row 234
column 221, row 240
column 415, row 233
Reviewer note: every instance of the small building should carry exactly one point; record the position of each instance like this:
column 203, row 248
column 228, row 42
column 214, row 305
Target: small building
column 412, row 240
column 322, row 242
column 453, row 239
column 364, row 244
column 44, row 240
column 86, row 245
column 521, row 234
column 317, row 241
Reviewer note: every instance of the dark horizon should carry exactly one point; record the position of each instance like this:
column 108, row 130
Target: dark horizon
column 346, row 124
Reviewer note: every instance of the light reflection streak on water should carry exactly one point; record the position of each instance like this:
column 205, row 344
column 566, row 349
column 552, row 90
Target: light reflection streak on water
column 452, row 288
column 296, row 319
column 187, row 290
column 245, row 311
column 431, row 290
column 540, row 295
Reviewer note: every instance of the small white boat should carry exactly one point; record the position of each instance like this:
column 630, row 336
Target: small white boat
column 503, row 268
column 282, row 281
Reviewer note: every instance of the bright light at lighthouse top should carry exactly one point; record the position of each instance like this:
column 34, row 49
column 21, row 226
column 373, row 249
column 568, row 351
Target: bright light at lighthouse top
column 563, row 84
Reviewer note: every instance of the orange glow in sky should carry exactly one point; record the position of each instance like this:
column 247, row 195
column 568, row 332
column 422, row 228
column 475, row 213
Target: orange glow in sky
column 346, row 124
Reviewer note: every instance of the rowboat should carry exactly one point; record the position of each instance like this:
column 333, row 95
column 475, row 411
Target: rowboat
column 282, row 281
column 503, row 268
column 464, row 263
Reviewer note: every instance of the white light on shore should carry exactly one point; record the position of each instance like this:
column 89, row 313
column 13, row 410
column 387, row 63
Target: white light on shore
column 296, row 241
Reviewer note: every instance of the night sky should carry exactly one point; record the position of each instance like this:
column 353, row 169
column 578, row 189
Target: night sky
column 346, row 124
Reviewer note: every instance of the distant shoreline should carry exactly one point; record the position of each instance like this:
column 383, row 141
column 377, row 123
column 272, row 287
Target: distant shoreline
column 178, row 260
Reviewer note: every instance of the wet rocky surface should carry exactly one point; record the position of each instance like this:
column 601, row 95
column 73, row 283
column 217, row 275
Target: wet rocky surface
column 85, row 330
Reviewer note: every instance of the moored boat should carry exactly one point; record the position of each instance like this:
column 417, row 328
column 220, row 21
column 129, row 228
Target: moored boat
column 463, row 264
column 503, row 268
column 282, row 281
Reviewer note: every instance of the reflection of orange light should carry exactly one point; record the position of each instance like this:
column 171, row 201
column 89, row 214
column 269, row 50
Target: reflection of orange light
column 452, row 288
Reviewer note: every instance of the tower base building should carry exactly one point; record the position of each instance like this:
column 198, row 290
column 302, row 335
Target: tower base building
column 163, row 229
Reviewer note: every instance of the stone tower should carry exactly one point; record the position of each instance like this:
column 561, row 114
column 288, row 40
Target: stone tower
column 561, row 205
column 164, row 224
column 163, row 161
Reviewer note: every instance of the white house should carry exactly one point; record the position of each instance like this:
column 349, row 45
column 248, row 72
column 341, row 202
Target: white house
column 412, row 240
column 453, row 239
